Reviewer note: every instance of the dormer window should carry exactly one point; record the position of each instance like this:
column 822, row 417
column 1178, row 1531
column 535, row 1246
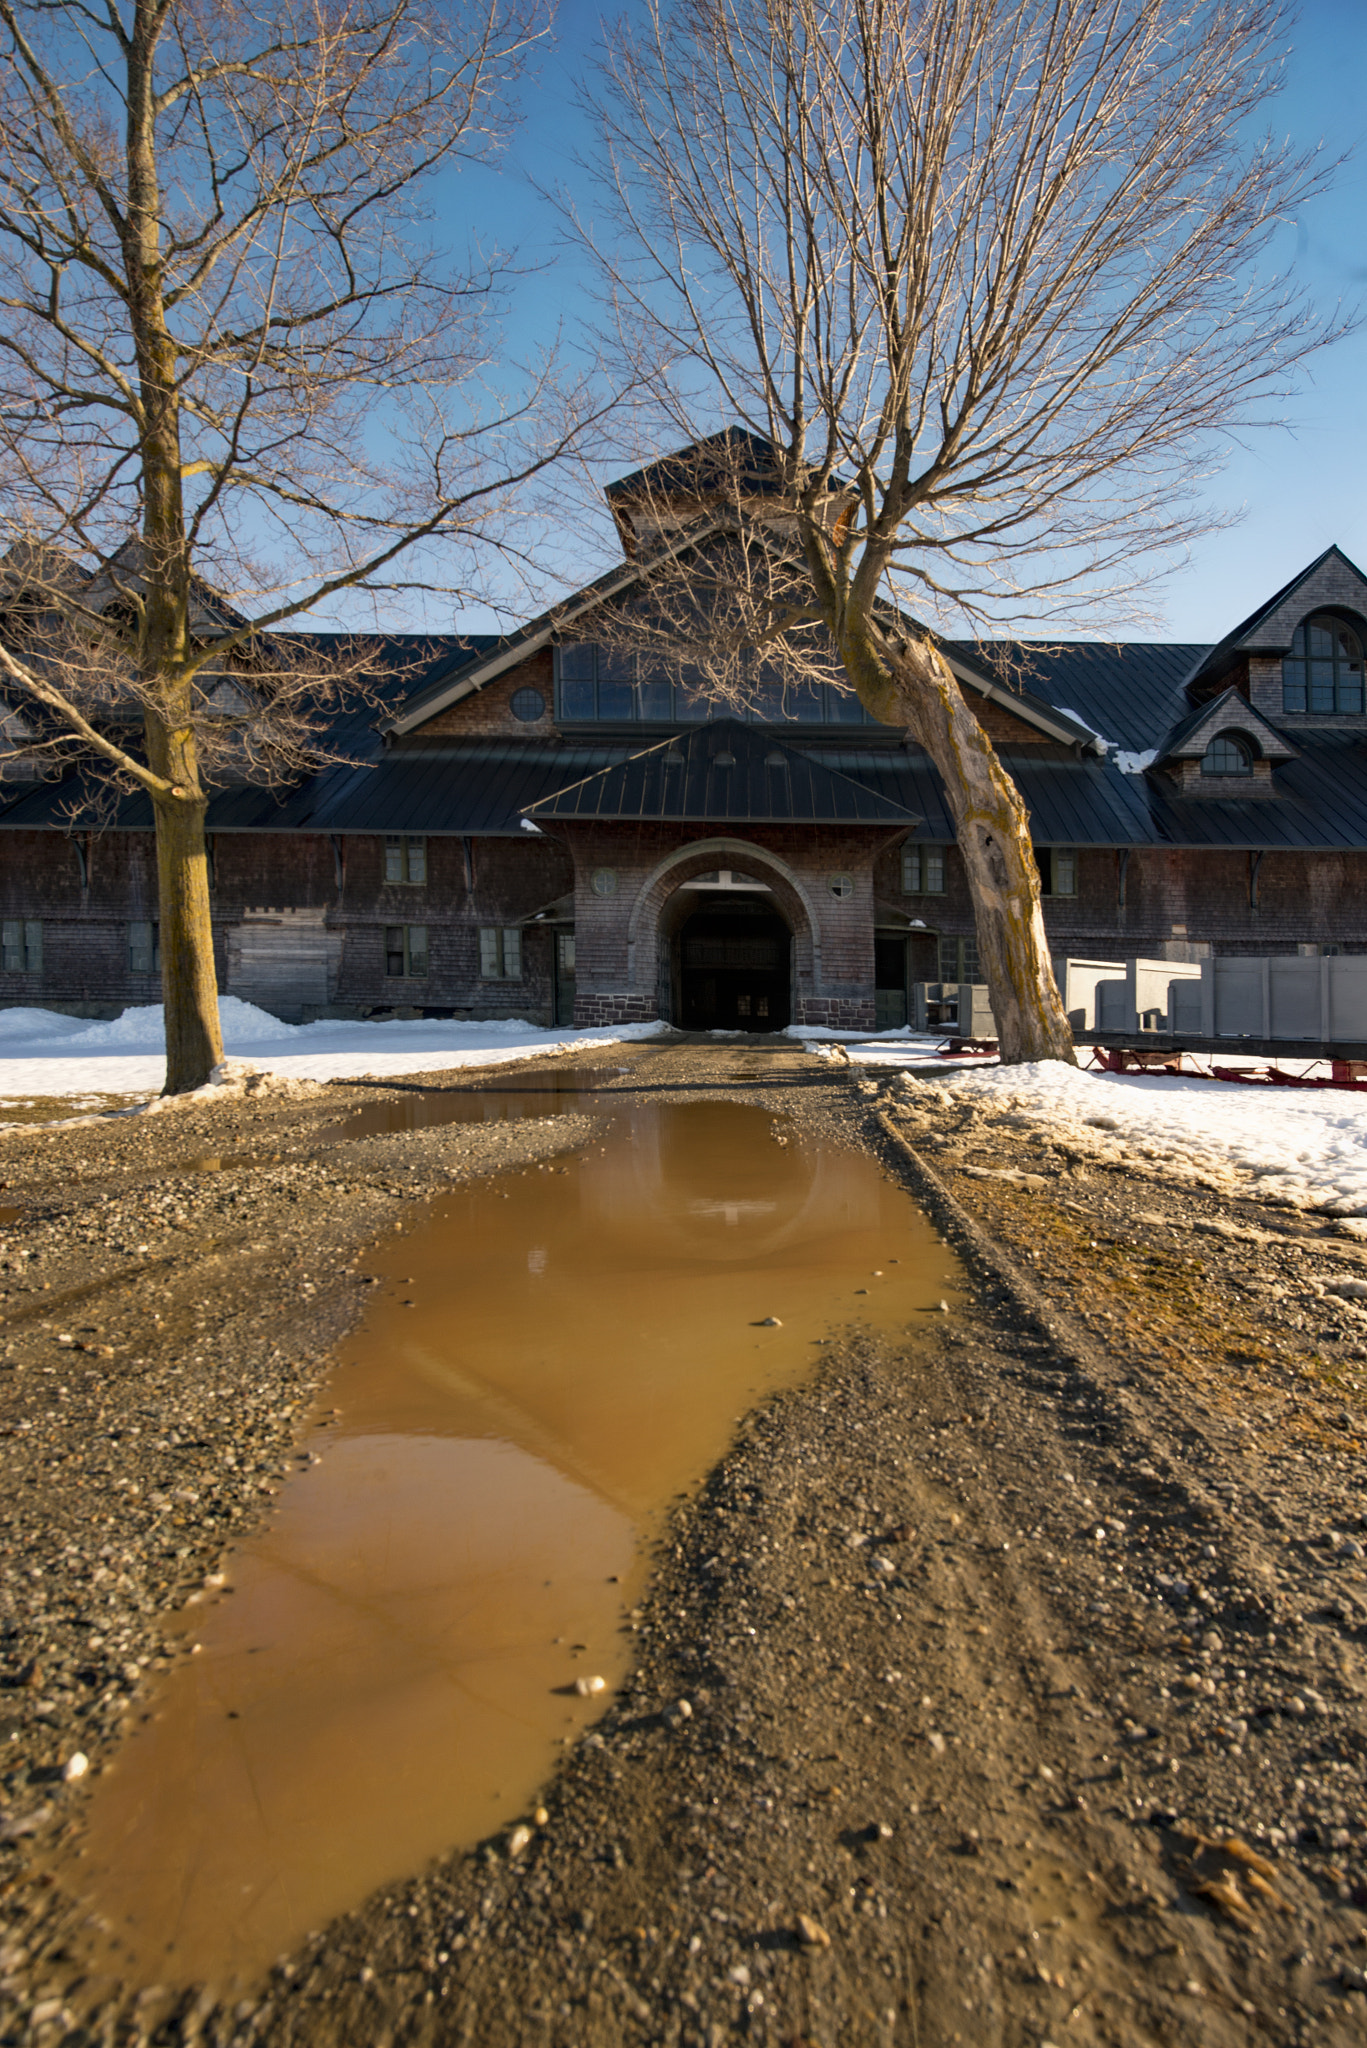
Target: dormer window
column 1226, row 756
column 1323, row 671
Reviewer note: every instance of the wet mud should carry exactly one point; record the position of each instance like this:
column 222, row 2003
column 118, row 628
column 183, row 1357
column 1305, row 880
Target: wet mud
column 391, row 1666
column 1024, row 1646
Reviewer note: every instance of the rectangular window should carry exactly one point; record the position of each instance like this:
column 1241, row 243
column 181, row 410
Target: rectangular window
column 959, row 960
column 144, row 946
column 923, row 871
column 500, row 952
column 21, row 945
column 577, row 675
column 610, row 684
column 405, row 950
column 405, row 860
column 1057, row 870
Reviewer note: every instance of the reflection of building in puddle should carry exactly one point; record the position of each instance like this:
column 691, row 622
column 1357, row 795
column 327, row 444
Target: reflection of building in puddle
column 663, row 1183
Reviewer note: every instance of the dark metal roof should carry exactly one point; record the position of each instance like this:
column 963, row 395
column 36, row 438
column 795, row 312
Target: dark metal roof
column 1320, row 804
column 486, row 786
column 1131, row 693
column 727, row 772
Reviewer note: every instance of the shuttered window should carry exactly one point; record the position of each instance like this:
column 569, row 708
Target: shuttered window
column 21, row 945
column 144, row 946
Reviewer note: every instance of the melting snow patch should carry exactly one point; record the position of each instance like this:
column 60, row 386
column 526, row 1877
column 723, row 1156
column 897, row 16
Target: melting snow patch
column 44, row 1054
column 1300, row 1150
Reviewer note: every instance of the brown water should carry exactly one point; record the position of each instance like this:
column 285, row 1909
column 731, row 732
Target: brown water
column 422, row 1107
column 544, row 1094
column 539, row 1376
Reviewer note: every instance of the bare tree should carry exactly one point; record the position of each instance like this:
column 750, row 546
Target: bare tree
column 230, row 339
column 972, row 285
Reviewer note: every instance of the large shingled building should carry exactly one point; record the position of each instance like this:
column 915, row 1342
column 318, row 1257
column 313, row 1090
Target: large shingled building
column 538, row 826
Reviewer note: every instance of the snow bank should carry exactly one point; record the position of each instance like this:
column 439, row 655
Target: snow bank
column 42, row 1053
column 1301, row 1149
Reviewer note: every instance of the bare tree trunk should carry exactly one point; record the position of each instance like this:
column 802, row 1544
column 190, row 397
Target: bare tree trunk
column 993, row 831
column 194, row 1043
column 913, row 685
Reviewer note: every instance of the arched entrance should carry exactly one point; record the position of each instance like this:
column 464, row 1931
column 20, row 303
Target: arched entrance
column 730, row 954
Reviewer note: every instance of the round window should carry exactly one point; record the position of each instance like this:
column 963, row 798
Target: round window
column 840, row 885
column 528, row 705
column 605, row 881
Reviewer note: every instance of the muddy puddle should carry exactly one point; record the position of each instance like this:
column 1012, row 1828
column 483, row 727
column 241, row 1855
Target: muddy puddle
column 492, row 1102
column 423, row 1107
column 552, row 1356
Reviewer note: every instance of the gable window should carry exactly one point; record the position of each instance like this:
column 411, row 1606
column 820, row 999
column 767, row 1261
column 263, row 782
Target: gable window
column 144, row 946
column 500, row 952
column 923, row 871
column 609, row 685
column 1057, row 870
column 405, row 950
column 1323, row 671
column 1226, row 756
column 528, row 705
column 405, row 860
column 21, row 945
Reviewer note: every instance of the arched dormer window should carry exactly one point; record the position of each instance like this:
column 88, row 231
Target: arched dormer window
column 1323, row 671
column 1226, row 756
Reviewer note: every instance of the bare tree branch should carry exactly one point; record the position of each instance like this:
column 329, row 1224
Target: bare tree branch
column 231, row 341
column 972, row 287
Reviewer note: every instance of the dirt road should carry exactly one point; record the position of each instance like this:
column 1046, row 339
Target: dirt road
column 1023, row 1667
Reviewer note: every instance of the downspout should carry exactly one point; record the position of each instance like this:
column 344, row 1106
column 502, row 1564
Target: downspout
column 1255, row 861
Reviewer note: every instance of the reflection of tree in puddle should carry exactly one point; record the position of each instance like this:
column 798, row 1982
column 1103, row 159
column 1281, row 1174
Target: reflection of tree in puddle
column 384, row 1680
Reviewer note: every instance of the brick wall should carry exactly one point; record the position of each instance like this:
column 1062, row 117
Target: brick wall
column 85, row 931
column 617, row 935
column 1173, row 897
column 487, row 710
column 1005, row 729
column 1197, row 895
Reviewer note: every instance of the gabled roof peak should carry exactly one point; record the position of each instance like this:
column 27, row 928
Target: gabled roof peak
column 1331, row 579
column 1229, row 712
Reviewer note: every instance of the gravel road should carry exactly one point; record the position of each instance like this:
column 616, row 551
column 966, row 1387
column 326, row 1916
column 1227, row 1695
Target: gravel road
column 1005, row 1687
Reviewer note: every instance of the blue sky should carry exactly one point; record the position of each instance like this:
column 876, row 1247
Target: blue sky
column 1297, row 488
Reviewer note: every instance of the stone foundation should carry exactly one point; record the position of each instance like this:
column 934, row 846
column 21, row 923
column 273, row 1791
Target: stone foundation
column 837, row 1013
column 623, row 1008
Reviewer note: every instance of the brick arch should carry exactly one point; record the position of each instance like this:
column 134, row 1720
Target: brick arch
column 700, row 858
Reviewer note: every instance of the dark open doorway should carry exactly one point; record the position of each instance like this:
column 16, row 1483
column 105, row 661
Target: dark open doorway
column 733, row 966
column 889, row 980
